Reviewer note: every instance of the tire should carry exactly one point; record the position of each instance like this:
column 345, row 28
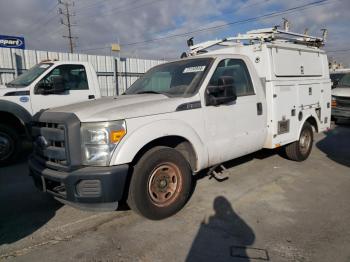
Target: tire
column 10, row 144
column 301, row 149
column 161, row 183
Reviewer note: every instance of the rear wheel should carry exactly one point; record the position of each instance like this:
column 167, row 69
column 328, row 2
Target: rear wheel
column 301, row 149
column 10, row 144
column 160, row 184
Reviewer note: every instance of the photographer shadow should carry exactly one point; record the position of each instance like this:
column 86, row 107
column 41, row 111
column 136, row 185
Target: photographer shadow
column 225, row 236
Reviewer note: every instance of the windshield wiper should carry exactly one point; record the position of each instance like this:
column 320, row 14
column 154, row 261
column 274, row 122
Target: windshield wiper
column 149, row 92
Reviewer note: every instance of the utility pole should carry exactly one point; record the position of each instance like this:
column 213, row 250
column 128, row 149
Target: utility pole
column 67, row 21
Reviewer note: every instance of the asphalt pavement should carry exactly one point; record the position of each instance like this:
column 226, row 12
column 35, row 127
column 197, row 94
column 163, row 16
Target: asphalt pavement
column 270, row 209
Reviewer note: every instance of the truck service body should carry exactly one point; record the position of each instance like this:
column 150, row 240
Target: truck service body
column 269, row 93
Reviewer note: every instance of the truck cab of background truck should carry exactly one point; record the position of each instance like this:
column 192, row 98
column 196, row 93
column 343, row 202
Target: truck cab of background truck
column 46, row 85
column 178, row 119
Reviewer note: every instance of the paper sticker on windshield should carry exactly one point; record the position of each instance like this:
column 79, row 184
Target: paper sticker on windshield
column 44, row 65
column 193, row 69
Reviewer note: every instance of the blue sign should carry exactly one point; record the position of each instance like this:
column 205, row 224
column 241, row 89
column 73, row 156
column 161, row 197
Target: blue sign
column 7, row 41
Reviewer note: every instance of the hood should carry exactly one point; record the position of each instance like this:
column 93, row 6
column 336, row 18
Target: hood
column 341, row 91
column 123, row 107
column 4, row 90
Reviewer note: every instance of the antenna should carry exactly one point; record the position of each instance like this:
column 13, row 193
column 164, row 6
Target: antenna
column 286, row 24
column 190, row 42
column 324, row 34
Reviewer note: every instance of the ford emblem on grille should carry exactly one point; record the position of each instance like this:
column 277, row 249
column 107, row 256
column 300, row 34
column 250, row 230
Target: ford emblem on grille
column 42, row 142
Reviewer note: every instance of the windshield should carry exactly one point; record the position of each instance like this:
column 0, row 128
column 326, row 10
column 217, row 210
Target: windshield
column 29, row 76
column 345, row 81
column 180, row 78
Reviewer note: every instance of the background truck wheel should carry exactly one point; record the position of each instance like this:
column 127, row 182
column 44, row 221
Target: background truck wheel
column 301, row 149
column 10, row 144
column 160, row 184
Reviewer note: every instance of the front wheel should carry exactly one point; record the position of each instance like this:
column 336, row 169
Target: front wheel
column 10, row 144
column 301, row 149
column 160, row 184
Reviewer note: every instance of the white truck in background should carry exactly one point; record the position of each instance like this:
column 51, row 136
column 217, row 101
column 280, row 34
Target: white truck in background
column 265, row 89
column 46, row 85
column 340, row 95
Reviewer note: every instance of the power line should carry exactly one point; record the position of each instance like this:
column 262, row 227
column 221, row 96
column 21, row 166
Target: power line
column 339, row 51
column 122, row 9
column 68, row 14
column 85, row 8
column 42, row 21
column 255, row 4
column 252, row 19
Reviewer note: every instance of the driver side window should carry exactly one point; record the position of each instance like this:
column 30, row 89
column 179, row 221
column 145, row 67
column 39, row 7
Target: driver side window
column 237, row 69
column 74, row 77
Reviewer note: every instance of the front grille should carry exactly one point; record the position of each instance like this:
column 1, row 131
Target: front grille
column 342, row 101
column 56, row 138
column 50, row 144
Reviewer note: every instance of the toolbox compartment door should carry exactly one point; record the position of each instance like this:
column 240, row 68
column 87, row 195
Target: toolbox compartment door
column 296, row 63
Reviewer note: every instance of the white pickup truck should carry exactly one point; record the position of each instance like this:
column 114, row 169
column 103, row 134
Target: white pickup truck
column 182, row 117
column 46, row 85
column 341, row 95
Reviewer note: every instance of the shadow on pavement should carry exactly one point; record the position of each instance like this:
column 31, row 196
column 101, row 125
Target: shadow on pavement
column 225, row 237
column 336, row 144
column 23, row 209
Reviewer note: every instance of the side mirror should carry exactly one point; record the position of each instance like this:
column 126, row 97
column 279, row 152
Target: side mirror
column 222, row 93
column 335, row 83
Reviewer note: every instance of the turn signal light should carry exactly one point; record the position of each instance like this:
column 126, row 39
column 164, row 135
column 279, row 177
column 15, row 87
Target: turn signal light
column 334, row 103
column 117, row 135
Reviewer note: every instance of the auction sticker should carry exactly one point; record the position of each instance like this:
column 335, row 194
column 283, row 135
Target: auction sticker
column 44, row 65
column 193, row 69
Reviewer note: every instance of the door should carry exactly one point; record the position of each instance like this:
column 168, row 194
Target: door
column 76, row 88
column 236, row 128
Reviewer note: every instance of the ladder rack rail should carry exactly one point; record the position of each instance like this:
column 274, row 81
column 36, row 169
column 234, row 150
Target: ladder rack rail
column 261, row 35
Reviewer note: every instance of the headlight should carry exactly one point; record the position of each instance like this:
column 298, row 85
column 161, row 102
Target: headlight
column 99, row 140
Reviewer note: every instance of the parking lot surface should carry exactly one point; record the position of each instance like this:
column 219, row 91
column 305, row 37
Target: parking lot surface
column 270, row 209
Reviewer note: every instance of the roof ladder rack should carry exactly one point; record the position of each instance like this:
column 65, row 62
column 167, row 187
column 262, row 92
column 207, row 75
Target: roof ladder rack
column 261, row 36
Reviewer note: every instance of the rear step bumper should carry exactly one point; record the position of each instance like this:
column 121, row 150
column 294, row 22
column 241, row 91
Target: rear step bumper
column 89, row 188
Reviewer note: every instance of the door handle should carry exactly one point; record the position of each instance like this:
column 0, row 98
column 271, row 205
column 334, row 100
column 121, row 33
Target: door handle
column 259, row 108
column 91, row 97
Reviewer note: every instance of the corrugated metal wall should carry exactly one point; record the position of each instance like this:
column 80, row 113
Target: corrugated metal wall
column 113, row 73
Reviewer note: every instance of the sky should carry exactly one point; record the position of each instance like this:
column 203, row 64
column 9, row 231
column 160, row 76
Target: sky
column 98, row 23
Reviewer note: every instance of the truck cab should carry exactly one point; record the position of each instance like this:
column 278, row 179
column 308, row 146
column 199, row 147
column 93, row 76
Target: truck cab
column 46, row 85
column 181, row 117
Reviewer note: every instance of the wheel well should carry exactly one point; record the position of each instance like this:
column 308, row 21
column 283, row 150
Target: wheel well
column 12, row 121
column 177, row 142
column 312, row 121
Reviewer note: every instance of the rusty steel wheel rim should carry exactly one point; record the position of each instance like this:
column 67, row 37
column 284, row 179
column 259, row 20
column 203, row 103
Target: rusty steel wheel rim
column 165, row 184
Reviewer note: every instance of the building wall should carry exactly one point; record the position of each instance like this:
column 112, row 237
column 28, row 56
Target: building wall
column 114, row 74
